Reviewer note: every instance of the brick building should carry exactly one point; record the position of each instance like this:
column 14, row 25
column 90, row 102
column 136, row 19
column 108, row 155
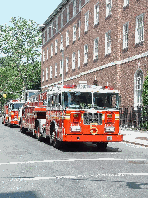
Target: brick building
column 106, row 40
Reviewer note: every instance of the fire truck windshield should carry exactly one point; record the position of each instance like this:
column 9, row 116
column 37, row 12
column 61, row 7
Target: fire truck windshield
column 16, row 105
column 105, row 100
column 77, row 100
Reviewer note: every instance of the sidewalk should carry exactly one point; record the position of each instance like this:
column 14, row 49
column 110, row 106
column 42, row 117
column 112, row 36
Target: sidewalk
column 135, row 137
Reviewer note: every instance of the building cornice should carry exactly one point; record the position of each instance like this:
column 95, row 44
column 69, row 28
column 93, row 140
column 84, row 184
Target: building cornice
column 100, row 68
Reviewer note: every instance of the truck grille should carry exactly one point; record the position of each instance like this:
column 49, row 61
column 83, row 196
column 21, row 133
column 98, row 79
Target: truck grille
column 89, row 118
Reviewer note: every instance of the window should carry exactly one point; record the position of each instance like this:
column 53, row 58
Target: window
column 74, row 32
column 61, row 45
column 86, row 21
column 79, row 5
column 61, row 67
column 96, row 14
column 43, row 55
column 73, row 61
column 67, row 13
column 52, row 29
column 79, row 28
column 56, row 46
column 126, row 3
column 43, row 75
column 139, row 32
column 67, row 38
column 55, row 69
column 67, row 61
column 108, row 7
column 48, row 33
column 74, row 7
column 96, row 48
column 43, row 38
column 56, row 24
column 85, row 53
column 51, row 50
column 46, row 73
column 50, row 72
column 78, row 58
column 61, row 19
column 47, row 52
column 108, row 43
column 138, row 85
column 125, row 35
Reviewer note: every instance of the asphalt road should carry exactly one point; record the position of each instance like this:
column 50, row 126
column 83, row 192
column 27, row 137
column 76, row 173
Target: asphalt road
column 33, row 169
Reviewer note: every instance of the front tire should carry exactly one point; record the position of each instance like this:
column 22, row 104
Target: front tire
column 56, row 143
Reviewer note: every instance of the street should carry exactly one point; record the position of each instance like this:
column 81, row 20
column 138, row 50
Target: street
column 33, row 169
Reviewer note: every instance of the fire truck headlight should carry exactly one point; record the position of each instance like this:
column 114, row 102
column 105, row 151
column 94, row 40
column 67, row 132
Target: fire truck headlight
column 109, row 129
column 75, row 128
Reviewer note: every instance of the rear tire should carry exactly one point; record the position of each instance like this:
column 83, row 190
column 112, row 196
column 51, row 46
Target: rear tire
column 56, row 143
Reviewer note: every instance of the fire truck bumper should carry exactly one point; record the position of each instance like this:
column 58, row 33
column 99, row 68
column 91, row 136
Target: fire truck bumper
column 93, row 138
column 14, row 122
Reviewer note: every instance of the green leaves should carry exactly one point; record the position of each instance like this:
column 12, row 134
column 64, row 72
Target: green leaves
column 20, row 68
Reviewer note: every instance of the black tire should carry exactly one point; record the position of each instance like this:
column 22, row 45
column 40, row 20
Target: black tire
column 102, row 145
column 56, row 143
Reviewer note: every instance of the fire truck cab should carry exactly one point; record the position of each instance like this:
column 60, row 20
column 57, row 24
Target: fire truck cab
column 82, row 114
column 12, row 112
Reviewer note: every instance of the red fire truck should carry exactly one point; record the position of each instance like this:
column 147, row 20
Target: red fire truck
column 12, row 112
column 33, row 113
column 82, row 114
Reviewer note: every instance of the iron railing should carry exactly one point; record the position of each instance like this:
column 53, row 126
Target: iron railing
column 134, row 118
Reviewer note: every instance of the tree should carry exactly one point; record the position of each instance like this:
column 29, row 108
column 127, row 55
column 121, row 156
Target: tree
column 20, row 68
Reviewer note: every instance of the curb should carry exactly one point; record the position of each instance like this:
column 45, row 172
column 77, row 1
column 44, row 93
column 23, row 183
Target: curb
column 135, row 143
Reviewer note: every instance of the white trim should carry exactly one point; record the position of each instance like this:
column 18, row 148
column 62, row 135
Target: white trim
column 135, row 57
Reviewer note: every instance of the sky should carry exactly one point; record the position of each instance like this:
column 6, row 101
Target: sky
column 35, row 10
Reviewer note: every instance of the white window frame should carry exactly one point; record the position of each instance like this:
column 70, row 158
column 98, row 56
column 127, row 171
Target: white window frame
column 79, row 5
column 47, row 53
column 61, row 44
column 85, row 53
column 62, row 19
column 52, row 29
column 61, row 66
column 67, row 38
column 73, row 61
column 51, row 50
column 96, row 48
column 125, row 35
column 108, row 42
column 56, row 46
column 126, row 3
column 86, row 21
column 96, row 14
column 138, row 87
column 55, row 69
column 50, row 72
column 56, row 24
column 74, row 7
column 43, row 75
column 139, row 30
column 79, row 29
column 67, row 62
column 43, row 38
column 43, row 53
column 46, row 73
column 78, row 58
column 68, row 13
column 108, row 7
column 74, row 32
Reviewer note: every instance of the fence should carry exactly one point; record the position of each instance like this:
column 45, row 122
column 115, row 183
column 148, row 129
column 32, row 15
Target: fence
column 134, row 118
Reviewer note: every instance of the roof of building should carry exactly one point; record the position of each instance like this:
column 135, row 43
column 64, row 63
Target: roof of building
column 54, row 13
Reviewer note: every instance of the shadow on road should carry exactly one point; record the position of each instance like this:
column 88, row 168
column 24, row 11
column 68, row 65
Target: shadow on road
column 24, row 194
